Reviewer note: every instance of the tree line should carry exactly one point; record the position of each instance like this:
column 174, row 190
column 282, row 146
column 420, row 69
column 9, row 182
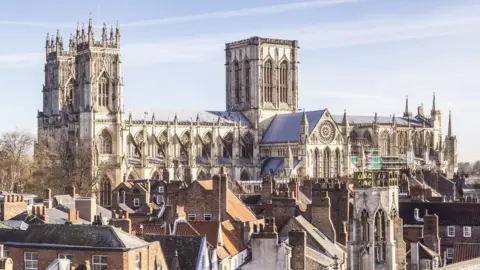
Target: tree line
column 29, row 164
column 470, row 168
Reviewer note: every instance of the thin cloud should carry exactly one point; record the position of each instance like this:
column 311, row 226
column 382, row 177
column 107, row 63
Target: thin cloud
column 273, row 9
column 241, row 13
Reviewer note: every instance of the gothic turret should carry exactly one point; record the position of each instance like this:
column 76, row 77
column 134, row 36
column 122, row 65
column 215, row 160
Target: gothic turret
column 407, row 113
column 304, row 128
column 449, row 134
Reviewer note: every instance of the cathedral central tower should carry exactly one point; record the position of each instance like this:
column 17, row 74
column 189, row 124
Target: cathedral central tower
column 262, row 77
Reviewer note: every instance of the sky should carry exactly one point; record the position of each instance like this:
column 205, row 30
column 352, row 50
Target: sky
column 363, row 56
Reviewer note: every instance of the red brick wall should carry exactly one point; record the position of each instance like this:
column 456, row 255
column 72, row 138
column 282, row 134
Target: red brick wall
column 199, row 201
column 12, row 209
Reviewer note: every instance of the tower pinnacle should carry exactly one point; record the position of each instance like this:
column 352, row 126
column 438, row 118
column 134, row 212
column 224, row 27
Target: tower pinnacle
column 406, row 113
column 449, row 123
column 433, row 103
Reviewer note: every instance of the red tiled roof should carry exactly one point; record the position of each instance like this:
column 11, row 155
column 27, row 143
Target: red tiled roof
column 206, row 184
column 157, row 229
column 185, row 229
column 465, row 251
column 236, row 209
column 209, row 228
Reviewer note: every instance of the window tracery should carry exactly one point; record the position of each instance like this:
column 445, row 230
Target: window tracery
column 354, row 142
column 247, row 146
column 267, row 81
column 236, row 68
column 326, row 163
column 385, row 144
column 380, row 240
column 316, row 164
column 283, row 82
column 207, row 145
column 162, row 144
column 103, row 91
column 69, row 94
column 244, row 176
column 336, row 165
column 105, row 192
column 228, row 145
column 364, row 226
column 105, row 143
column 247, row 81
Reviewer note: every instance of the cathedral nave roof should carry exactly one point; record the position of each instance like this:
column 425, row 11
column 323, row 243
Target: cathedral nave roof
column 188, row 115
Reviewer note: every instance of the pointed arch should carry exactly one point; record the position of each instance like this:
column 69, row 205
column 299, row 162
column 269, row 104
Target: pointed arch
column 69, row 92
column 380, row 233
column 327, row 155
column 185, row 143
column 247, row 81
column 367, row 138
column 132, row 175
column 236, row 74
column 228, row 145
column 105, row 191
column 162, row 144
column 364, row 226
column 103, row 90
column 336, row 163
column 244, row 176
column 207, row 144
column 283, row 81
column 202, row 176
column 156, row 175
column 247, row 145
column 384, row 143
column 268, row 81
column 400, row 143
column 316, row 163
column 354, row 142
column 105, row 145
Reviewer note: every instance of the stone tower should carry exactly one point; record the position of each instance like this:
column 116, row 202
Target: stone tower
column 82, row 95
column 376, row 235
column 262, row 77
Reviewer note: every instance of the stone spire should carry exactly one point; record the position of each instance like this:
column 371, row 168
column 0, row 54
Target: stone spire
column 406, row 113
column 77, row 35
column 117, row 35
column 104, row 34
column 449, row 124
column 47, row 44
column 345, row 118
column 304, row 128
column 112, row 41
column 90, row 31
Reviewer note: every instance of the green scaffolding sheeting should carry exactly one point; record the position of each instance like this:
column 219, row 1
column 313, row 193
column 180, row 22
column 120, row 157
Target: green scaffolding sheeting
column 374, row 162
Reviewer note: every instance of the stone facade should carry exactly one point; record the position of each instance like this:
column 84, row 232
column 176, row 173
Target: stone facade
column 375, row 228
column 259, row 133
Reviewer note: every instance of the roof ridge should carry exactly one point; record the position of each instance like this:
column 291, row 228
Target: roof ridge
column 117, row 236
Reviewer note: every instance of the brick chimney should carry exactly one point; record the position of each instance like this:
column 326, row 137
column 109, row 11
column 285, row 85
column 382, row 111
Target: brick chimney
column 87, row 207
column 267, row 188
column 70, row 190
column 125, row 223
column 48, row 201
column 297, row 239
column 320, row 211
column 40, row 211
column 430, row 232
column 73, row 215
column 12, row 206
column 264, row 242
column 220, row 190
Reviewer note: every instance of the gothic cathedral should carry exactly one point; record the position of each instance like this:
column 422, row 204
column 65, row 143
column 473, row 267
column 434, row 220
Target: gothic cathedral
column 261, row 131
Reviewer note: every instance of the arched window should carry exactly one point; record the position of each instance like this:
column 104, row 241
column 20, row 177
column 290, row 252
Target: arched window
column 267, row 82
column 156, row 176
column 316, row 164
column 400, row 143
column 105, row 192
column 247, row 81
column 228, row 145
column 247, row 145
column 283, row 81
column 326, row 163
column 385, row 143
column 105, row 143
column 354, row 142
column 245, row 176
column 202, row 176
column 69, row 94
column 336, row 163
column 162, row 144
column 103, row 91
column 185, row 140
column 236, row 68
column 380, row 241
column 365, row 227
column 207, row 145
column 367, row 138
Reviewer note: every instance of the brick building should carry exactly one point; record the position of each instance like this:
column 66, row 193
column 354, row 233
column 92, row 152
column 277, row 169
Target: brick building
column 99, row 247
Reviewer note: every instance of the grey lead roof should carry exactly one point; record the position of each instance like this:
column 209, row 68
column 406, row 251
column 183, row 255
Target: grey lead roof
column 367, row 119
column 189, row 115
column 286, row 127
column 77, row 235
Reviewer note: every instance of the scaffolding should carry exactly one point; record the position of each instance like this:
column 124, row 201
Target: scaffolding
column 374, row 160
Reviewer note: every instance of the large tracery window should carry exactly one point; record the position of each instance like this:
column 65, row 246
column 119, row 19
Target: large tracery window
column 326, row 163
column 336, row 165
column 267, row 82
column 228, row 145
column 105, row 143
column 207, row 145
column 283, row 82
column 367, row 138
column 365, row 227
column 69, row 94
column 237, row 82
column 103, row 91
column 380, row 241
column 247, row 81
column 105, row 192
column 354, row 143
column 162, row 145
column 247, row 146
column 316, row 164
column 385, row 144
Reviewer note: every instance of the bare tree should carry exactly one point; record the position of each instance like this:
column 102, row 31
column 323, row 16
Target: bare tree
column 16, row 164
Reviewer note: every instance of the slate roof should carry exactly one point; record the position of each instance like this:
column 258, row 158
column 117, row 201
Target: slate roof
column 188, row 248
column 386, row 120
column 465, row 251
column 286, row 127
column 190, row 115
column 276, row 164
column 449, row 213
column 104, row 237
column 3, row 225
